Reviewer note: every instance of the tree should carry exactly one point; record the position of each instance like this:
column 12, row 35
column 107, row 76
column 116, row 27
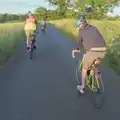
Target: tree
column 11, row 17
column 106, row 4
column 61, row 5
column 2, row 18
column 40, row 12
column 97, row 8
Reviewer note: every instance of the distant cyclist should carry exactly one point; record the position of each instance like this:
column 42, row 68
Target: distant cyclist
column 43, row 24
column 91, row 43
column 30, row 28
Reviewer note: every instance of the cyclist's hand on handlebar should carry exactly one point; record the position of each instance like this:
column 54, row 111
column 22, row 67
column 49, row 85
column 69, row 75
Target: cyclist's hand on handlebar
column 73, row 51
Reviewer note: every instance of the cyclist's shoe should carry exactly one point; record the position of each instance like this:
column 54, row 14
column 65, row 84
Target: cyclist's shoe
column 34, row 47
column 27, row 47
column 82, row 90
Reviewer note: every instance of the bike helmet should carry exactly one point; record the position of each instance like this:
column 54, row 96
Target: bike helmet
column 29, row 13
column 80, row 19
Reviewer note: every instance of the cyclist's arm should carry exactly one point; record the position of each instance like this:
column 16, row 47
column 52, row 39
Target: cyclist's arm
column 79, row 44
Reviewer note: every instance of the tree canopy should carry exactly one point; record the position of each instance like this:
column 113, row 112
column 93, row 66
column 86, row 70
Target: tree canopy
column 94, row 9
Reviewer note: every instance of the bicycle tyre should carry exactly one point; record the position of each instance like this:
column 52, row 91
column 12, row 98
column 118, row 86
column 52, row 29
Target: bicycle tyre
column 43, row 30
column 78, row 71
column 98, row 95
column 31, row 52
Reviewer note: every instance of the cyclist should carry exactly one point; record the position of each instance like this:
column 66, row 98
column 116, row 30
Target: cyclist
column 91, row 43
column 30, row 27
column 43, row 24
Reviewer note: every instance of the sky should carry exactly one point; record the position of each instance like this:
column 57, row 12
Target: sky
column 116, row 11
column 23, row 6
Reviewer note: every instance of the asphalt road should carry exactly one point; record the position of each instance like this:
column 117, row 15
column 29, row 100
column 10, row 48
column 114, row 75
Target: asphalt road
column 45, row 88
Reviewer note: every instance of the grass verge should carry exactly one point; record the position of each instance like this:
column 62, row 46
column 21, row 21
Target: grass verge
column 10, row 35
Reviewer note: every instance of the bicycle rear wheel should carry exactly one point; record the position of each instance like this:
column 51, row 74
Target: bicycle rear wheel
column 78, row 71
column 43, row 30
column 31, row 51
column 98, row 91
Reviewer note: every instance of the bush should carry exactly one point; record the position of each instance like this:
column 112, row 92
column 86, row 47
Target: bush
column 113, row 55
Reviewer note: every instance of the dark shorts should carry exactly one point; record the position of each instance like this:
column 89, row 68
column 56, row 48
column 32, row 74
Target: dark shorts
column 90, row 56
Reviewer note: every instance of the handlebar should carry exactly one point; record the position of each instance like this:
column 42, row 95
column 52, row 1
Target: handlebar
column 73, row 51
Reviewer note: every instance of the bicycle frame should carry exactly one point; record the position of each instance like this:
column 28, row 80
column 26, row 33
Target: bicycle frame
column 92, row 80
column 91, row 76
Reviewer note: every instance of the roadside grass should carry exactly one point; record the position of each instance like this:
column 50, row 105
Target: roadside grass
column 110, row 31
column 10, row 35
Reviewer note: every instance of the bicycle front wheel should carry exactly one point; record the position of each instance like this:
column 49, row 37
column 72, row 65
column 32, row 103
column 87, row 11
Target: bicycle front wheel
column 98, row 92
column 78, row 71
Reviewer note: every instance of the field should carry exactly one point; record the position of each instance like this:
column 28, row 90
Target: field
column 10, row 34
column 110, row 31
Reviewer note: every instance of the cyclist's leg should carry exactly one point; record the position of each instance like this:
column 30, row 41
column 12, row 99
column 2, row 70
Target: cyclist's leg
column 99, row 55
column 34, row 40
column 33, row 37
column 88, row 59
column 44, row 27
column 91, row 57
column 28, row 32
column 84, row 73
column 27, row 38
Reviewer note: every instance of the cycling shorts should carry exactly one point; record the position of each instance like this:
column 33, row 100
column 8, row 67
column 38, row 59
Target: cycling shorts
column 90, row 56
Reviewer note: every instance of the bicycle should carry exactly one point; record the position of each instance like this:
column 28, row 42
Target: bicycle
column 93, row 82
column 31, row 45
column 43, row 27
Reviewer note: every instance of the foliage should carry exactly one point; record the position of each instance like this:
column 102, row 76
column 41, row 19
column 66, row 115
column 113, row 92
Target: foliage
column 40, row 13
column 11, row 17
column 94, row 9
column 62, row 5
column 9, row 39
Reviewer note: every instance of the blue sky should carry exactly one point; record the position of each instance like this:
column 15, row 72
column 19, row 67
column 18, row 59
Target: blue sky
column 22, row 6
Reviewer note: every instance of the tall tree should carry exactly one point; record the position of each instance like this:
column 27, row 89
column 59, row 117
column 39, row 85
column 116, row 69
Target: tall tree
column 40, row 12
column 61, row 5
column 96, row 8
column 106, row 4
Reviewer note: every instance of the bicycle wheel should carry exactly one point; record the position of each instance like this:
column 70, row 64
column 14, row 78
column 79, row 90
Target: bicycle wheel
column 43, row 30
column 98, row 92
column 31, row 51
column 78, row 71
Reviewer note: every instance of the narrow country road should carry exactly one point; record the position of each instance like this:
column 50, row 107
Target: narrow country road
column 45, row 88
